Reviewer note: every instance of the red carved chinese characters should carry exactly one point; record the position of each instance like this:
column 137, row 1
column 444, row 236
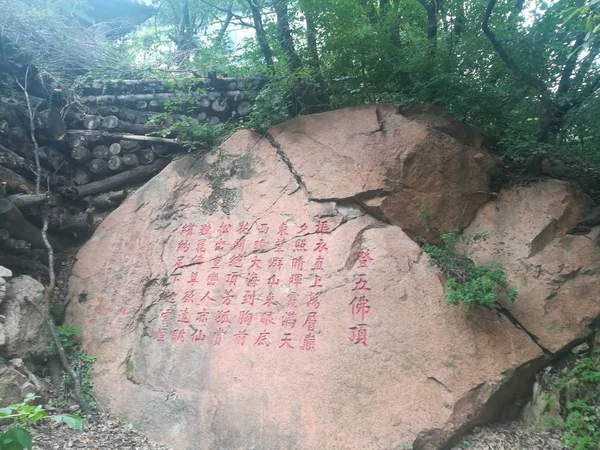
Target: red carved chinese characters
column 253, row 284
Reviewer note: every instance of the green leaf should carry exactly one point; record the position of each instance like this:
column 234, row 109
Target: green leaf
column 72, row 421
column 5, row 411
column 16, row 439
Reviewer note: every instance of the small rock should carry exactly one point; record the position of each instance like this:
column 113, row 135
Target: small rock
column 5, row 273
column 581, row 348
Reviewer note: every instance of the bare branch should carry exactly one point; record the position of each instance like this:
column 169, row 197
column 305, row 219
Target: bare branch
column 505, row 56
column 564, row 83
column 49, row 290
column 228, row 11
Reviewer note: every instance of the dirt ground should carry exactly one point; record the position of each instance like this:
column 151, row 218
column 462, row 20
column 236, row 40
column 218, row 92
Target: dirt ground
column 107, row 433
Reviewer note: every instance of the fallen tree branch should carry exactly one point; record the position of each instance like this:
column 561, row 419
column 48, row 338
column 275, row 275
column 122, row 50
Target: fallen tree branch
column 49, row 290
column 98, row 135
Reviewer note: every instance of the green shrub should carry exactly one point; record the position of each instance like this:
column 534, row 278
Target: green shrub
column 581, row 388
column 468, row 283
column 68, row 335
column 23, row 415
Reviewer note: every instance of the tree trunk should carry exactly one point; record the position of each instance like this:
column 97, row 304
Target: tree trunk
column 226, row 23
column 261, row 36
column 284, row 36
column 311, row 41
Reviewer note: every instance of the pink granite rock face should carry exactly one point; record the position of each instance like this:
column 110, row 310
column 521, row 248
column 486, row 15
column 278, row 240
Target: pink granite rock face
column 231, row 305
column 401, row 170
column 557, row 274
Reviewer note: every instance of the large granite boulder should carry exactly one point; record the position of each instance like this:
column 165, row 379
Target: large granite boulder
column 557, row 274
column 401, row 170
column 23, row 332
column 245, row 300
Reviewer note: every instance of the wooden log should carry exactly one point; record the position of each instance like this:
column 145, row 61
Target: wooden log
column 98, row 166
column 201, row 117
column 130, row 160
column 23, row 201
column 101, row 152
column 57, row 216
column 115, row 163
column 75, row 135
column 4, row 234
column 204, row 102
column 49, row 124
column 244, row 108
column 15, row 182
column 146, row 156
column 129, row 146
column 92, row 122
column 157, row 101
column 130, row 176
column 219, row 105
column 136, row 128
column 139, row 117
column 215, row 120
column 81, row 155
column 11, row 160
column 60, row 219
column 82, row 176
column 110, row 122
column 84, row 138
column 161, row 150
column 107, row 200
column 29, row 265
column 21, row 229
column 108, row 110
column 15, row 245
column 126, row 86
column 54, row 159
column 114, row 149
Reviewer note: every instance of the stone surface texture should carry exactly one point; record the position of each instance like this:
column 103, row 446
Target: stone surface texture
column 23, row 332
column 557, row 274
column 401, row 170
column 16, row 381
column 350, row 343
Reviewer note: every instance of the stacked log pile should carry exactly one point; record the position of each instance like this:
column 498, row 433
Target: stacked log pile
column 133, row 102
column 90, row 154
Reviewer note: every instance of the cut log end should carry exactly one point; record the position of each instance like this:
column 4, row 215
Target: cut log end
column 146, row 156
column 98, row 166
column 92, row 122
